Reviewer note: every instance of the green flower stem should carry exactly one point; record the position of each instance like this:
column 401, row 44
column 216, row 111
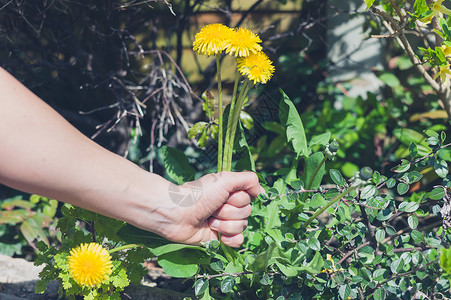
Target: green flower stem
column 236, row 116
column 234, row 113
column 331, row 202
column 124, row 247
column 229, row 120
column 228, row 252
column 220, row 129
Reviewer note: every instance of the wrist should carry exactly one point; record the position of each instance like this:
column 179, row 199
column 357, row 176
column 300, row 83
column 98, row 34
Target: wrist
column 149, row 206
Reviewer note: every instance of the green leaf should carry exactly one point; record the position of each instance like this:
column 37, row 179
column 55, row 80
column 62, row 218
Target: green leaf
column 50, row 208
column 273, row 215
column 322, row 139
column 133, row 235
column 412, row 220
column 288, row 271
column 174, row 247
column 197, row 128
column 314, row 244
column 441, row 167
column 402, row 188
column 408, row 206
column 316, row 264
column 431, row 133
column 311, row 163
column 381, row 274
column 217, row 265
column 119, row 279
column 41, row 286
column 414, row 176
column 369, row 3
column 384, row 215
column 344, row 291
column 177, row 165
column 246, row 120
column 433, row 242
column 433, row 141
column 31, row 230
column 391, row 183
column 390, row 79
column 380, row 235
column 265, row 280
column 208, row 105
column 317, row 200
column 246, row 162
column 336, row 177
column 261, row 261
column 10, row 249
column 397, row 265
column 413, row 150
column 420, row 6
column 436, row 194
column 379, row 294
column 200, row 286
column 407, row 136
column 349, row 169
column 15, row 202
column 227, row 284
column 417, row 236
column 445, row 260
column 377, row 178
column 404, row 167
column 14, row 216
column 183, row 263
column 291, row 120
column 367, row 192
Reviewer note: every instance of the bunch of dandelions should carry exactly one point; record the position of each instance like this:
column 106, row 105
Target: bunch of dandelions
column 252, row 64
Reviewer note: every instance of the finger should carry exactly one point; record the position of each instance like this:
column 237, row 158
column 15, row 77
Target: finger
column 241, row 181
column 230, row 212
column 233, row 240
column 239, row 199
column 228, row 227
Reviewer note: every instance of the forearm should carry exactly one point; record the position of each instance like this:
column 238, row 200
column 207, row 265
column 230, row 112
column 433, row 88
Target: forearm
column 42, row 153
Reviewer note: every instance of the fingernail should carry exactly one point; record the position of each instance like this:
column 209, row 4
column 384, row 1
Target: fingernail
column 226, row 239
column 214, row 224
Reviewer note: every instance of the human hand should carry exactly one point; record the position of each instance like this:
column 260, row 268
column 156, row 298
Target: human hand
column 222, row 205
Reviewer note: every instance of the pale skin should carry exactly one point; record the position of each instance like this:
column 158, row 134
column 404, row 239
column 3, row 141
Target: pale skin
column 42, row 153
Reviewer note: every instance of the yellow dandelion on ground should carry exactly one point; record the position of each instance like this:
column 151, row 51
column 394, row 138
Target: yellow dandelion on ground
column 89, row 264
column 257, row 67
column 212, row 39
column 243, row 42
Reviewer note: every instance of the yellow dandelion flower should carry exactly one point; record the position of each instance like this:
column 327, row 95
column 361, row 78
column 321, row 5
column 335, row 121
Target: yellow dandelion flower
column 89, row 264
column 212, row 39
column 443, row 72
column 436, row 8
column 242, row 42
column 257, row 67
